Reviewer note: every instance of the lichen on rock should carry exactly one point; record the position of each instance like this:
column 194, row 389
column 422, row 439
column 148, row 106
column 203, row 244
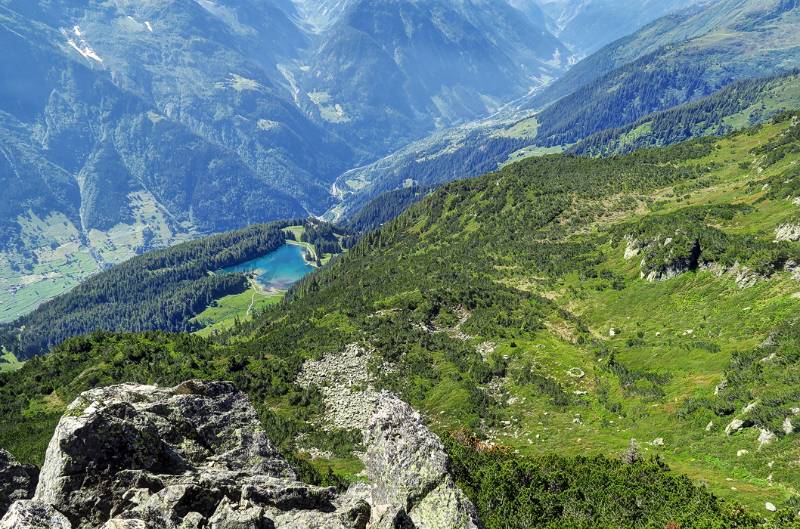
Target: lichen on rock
column 196, row 456
column 17, row 481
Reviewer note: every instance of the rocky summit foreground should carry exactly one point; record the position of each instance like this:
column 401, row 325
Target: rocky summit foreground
column 195, row 456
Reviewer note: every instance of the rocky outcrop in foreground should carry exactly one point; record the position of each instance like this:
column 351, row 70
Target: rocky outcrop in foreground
column 195, row 456
column 17, row 481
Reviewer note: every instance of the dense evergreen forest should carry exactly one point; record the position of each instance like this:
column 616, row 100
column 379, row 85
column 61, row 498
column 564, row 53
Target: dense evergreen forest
column 744, row 103
column 514, row 310
column 474, row 154
column 640, row 91
column 161, row 290
column 384, row 208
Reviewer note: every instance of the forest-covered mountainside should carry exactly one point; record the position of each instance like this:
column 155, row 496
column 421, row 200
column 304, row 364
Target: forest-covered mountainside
column 707, row 28
column 160, row 290
column 473, row 150
column 737, row 106
column 674, row 60
column 642, row 305
column 130, row 126
column 671, row 63
column 384, row 208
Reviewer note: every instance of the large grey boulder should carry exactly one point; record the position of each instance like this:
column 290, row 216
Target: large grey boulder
column 408, row 470
column 195, row 457
column 134, row 456
column 17, row 481
column 27, row 514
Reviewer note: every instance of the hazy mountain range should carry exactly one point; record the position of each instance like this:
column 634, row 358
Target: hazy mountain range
column 677, row 59
column 535, row 264
column 132, row 125
column 587, row 25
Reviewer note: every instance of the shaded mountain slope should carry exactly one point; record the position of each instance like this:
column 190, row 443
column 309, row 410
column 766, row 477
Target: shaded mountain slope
column 586, row 26
column 560, row 305
column 735, row 40
column 132, row 126
column 389, row 72
column 736, row 106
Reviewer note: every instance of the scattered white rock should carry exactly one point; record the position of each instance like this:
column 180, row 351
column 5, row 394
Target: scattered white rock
column 485, row 349
column 770, row 507
column 659, row 441
column 688, row 332
column 765, row 437
column 769, row 358
column 344, row 381
column 709, row 426
column 613, row 332
column 632, row 248
column 744, row 277
column 787, row 232
column 28, row 514
column 793, row 268
column 734, row 426
column 740, row 453
column 788, row 427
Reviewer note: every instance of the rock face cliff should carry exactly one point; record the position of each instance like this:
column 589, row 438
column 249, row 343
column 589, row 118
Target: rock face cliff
column 195, row 456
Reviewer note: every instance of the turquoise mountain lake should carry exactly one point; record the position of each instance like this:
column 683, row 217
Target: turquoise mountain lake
column 277, row 270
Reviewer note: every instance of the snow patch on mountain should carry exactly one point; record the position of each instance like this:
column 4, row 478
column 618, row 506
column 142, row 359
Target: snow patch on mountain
column 80, row 45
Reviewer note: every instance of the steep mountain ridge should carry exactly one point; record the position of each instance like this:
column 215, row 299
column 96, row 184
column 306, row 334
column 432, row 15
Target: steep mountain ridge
column 587, row 25
column 740, row 32
column 738, row 105
column 134, row 125
column 406, row 68
column 560, row 305
column 676, row 60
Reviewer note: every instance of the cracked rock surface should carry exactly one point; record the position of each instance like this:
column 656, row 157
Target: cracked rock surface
column 17, row 481
column 195, row 456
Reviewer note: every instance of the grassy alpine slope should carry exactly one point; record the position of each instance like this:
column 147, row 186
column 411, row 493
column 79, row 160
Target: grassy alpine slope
column 561, row 308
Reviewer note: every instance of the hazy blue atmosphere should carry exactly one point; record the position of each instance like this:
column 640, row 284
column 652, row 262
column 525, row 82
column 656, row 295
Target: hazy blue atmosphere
column 400, row 264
